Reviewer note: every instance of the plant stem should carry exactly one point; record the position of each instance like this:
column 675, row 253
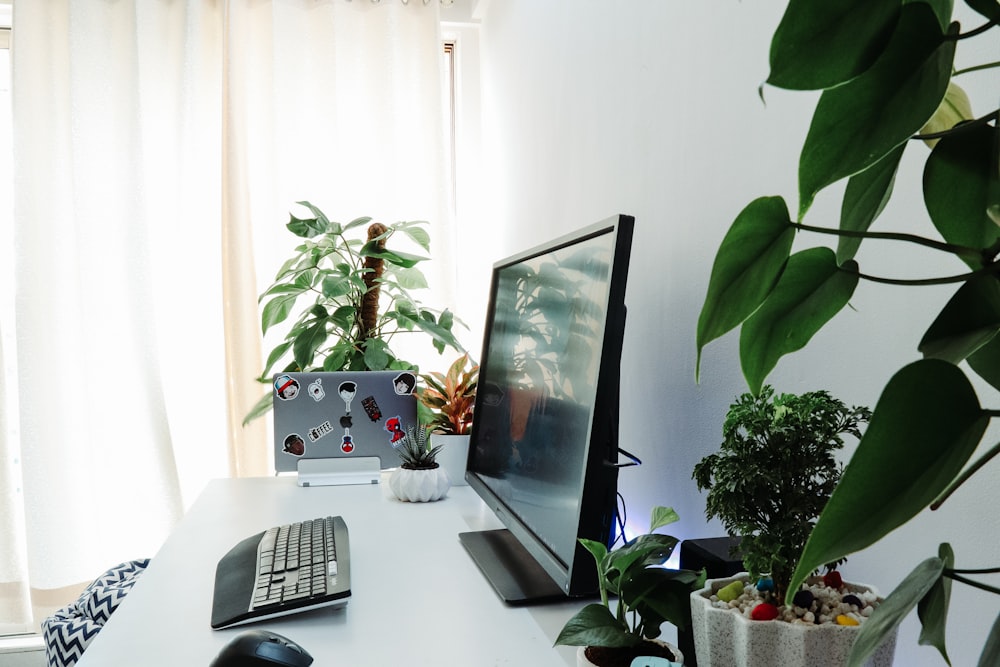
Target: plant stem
column 972, row 582
column 975, row 31
column 975, row 68
column 967, row 473
column 960, row 278
column 985, row 570
column 961, row 251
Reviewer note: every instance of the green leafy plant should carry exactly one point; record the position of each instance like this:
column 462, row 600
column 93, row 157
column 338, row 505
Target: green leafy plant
column 447, row 399
column 647, row 594
column 415, row 450
column 888, row 81
column 774, row 473
column 354, row 296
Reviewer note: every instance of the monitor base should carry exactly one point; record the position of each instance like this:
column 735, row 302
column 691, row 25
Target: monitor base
column 514, row 574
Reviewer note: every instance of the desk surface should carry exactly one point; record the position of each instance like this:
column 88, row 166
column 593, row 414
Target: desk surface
column 417, row 597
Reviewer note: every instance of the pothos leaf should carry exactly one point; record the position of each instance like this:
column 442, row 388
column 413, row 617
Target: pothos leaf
column 924, row 429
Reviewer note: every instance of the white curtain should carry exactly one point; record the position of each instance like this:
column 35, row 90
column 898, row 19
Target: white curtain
column 158, row 148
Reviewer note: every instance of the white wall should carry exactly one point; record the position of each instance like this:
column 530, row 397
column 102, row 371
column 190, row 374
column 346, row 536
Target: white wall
column 650, row 107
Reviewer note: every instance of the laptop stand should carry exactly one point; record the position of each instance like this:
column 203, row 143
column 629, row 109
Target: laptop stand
column 339, row 471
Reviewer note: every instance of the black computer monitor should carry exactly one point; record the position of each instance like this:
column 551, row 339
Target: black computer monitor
column 543, row 448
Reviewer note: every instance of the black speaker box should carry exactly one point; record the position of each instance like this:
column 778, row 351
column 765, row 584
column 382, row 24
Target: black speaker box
column 715, row 554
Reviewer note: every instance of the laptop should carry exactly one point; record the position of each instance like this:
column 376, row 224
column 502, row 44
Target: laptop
column 343, row 425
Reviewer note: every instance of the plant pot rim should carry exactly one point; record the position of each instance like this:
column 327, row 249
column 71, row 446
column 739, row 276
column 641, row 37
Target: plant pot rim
column 713, row 585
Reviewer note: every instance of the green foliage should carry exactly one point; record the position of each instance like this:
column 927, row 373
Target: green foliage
column 415, row 451
column 324, row 282
column 447, row 399
column 774, row 473
column 885, row 69
column 647, row 594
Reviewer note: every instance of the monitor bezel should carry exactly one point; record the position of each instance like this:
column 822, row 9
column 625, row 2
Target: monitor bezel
column 596, row 518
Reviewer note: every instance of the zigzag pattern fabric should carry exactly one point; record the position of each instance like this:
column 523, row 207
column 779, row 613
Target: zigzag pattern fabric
column 70, row 630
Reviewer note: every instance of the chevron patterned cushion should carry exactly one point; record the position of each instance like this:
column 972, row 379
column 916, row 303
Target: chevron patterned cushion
column 68, row 632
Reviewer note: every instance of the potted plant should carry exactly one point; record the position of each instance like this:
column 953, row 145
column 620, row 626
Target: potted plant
column 446, row 403
column 773, row 474
column 888, row 80
column 419, row 478
column 768, row 482
column 647, row 595
column 355, row 296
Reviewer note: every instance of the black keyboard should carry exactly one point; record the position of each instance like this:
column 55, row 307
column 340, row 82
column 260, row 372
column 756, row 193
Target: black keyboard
column 284, row 570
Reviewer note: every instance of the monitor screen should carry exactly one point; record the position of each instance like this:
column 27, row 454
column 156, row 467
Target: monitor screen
column 543, row 447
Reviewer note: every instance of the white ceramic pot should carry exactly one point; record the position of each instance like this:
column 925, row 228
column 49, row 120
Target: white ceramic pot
column 453, row 457
column 419, row 486
column 724, row 638
column 583, row 661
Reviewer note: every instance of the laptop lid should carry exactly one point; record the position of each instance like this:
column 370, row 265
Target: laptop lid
column 344, row 414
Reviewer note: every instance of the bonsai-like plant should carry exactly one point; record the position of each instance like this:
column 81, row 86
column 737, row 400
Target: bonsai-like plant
column 356, row 294
column 774, row 473
column 447, row 399
column 647, row 594
column 887, row 75
column 415, row 451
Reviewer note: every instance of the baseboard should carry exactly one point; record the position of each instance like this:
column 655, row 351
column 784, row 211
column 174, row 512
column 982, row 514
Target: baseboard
column 21, row 644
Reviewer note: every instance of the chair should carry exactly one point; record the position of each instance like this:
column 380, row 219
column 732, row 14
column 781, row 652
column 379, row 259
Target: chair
column 70, row 630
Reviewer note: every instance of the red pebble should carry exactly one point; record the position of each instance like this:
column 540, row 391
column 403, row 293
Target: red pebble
column 833, row 579
column 765, row 611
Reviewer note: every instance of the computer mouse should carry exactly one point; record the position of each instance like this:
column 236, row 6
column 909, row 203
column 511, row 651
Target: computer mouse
column 263, row 648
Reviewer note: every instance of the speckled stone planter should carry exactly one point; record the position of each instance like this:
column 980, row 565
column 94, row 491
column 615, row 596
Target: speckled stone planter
column 723, row 638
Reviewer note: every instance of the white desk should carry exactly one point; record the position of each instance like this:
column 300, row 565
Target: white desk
column 417, row 597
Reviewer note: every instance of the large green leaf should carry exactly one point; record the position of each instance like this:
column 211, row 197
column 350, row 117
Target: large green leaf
column 663, row 516
column 933, row 606
column 822, row 44
column 988, row 8
column 958, row 188
column 809, row 293
column 866, row 195
column 377, row 354
column 891, row 612
column 276, row 310
column 857, row 123
column 263, row 404
column 924, row 429
column 594, row 625
column 306, row 343
column 969, row 320
column 405, row 259
column 750, row 260
column 991, row 650
column 986, row 362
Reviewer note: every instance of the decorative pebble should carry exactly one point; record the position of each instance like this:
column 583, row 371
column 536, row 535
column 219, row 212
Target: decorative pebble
column 844, row 619
column 765, row 611
column 730, row 592
column 833, row 579
column 854, row 600
column 765, row 584
column 803, row 598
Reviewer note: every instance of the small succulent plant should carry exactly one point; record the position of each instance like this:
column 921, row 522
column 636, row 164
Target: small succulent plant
column 415, row 451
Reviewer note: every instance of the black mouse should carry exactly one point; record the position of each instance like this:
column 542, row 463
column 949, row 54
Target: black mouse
column 264, row 648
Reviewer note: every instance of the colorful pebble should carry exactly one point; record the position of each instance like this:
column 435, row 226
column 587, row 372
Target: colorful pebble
column 730, row 592
column 765, row 611
column 833, row 579
column 803, row 598
column 843, row 619
column 765, row 584
column 850, row 598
